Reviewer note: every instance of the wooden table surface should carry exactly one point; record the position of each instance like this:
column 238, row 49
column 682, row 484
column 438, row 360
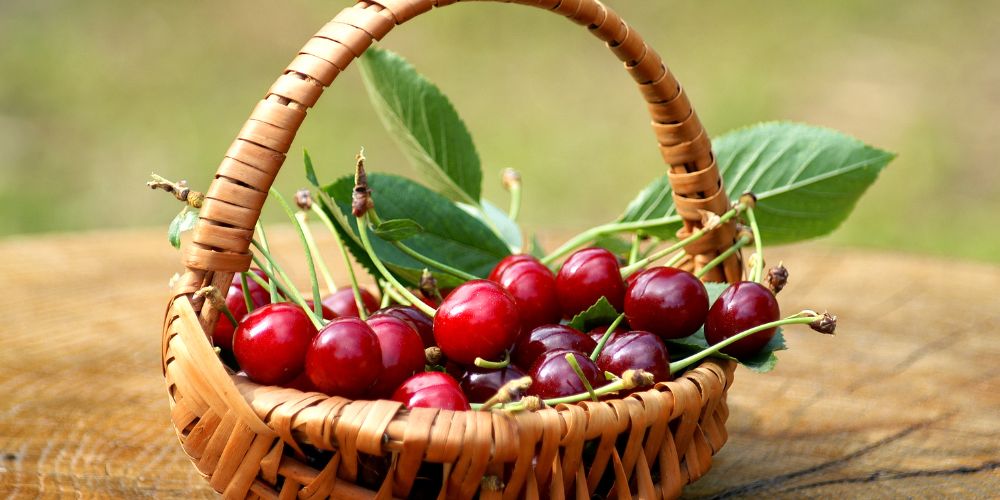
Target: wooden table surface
column 903, row 402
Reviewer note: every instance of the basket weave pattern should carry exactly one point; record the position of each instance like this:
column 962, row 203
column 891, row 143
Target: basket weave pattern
column 250, row 440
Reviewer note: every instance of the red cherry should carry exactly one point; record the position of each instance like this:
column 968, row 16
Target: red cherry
column 402, row 353
column 742, row 306
column 666, row 301
column 598, row 333
column 553, row 377
column 480, row 385
column 533, row 287
column 414, row 317
column 636, row 350
column 301, row 383
column 478, row 319
column 222, row 335
column 585, row 277
column 431, row 390
column 342, row 302
column 327, row 313
column 271, row 343
column 345, row 358
column 543, row 339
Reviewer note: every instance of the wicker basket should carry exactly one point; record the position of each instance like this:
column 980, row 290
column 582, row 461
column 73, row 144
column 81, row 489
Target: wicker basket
column 250, row 440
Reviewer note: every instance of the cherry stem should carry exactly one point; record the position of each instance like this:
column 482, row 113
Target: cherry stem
column 506, row 393
column 605, row 229
column 458, row 273
column 217, row 301
column 801, row 318
column 246, row 292
column 512, row 181
column 742, row 242
column 630, row 379
column 633, row 252
column 311, row 265
column 179, row 189
column 325, row 219
column 285, row 283
column 493, row 365
column 386, row 299
column 389, row 290
column 676, row 259
column 758, row 266
column 268, row 270
column 575, row 365
column 367, row 244
column 659, row 254
column 607, row 336
column 257, row 279
column 324, row 271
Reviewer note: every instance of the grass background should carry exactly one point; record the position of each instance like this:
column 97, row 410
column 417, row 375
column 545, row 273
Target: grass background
column 96, row 95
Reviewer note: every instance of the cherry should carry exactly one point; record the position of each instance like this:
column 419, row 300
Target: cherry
column 328, row 314
column 422, row 323
column 431, row 390
column 533, row 287
column 585, row 277
column 666, row 301
column 222, row 335
column 301, row 383
column 345, row 358
column 342, row 302
column 598, row 333
column 742, row 306
column 478, row 319
column 636, row 350
column 402, row 353
column 553, row 377
column 543, row 339
column 271, row 343
column 480, row 385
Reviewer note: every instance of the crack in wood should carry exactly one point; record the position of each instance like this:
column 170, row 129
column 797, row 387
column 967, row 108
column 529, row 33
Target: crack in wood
column 888, row 475
column 773, row 482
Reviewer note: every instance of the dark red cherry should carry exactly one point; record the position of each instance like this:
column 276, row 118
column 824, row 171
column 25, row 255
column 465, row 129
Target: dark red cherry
column 414, row 317
column 478, row 320
column 431, row 390
column 741, row 307
column 636, row 350
column 342, row 302
column 543, row 339
column 301, row 383
column 533, row 287
column 345, row 358
column 666, row 301
column 553, row 377
column 454, row 369
column 507, row 262
column 479, row 384
column 402, row 353
column 585, row 277
column 598, row 333
column 271, row 343
column 328, row 314
column 222, row 335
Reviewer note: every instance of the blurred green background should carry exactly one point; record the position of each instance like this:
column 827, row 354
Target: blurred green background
column 96, row 95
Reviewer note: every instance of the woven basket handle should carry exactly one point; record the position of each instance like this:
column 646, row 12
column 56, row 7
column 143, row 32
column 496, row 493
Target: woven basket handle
column 233, row 201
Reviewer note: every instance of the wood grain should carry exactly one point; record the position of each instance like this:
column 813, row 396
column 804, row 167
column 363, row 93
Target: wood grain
column 903, row 402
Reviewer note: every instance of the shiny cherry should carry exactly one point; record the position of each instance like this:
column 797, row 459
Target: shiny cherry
column 478, row 319
column 328, row 314
column 636, row 350
column 422, row 323
column 431, row 390
column 342, row 302
column 479, row 384
column 543, row 339
column 585, row 277
column 666, row 301
column 553, row 377
column 742, row 306
column 222, row 335
column 271, row 343
column 533, row 287
column 598, row 333
column 345, row 358
column 402, row 353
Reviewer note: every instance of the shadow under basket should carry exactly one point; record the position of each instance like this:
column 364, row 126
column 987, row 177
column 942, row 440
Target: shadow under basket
column 270, row 442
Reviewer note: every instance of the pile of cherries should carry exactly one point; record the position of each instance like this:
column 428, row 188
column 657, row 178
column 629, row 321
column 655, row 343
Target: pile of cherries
column 519, row 313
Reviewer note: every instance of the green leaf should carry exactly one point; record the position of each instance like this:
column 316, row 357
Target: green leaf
column 449, row 233
column 601, row 313
column 535, row 249
column 500, row 222
column 310, row 171
column 398, row 229
column 184, row 221
column 425, row 124
column 807, row 179
column 614, row 244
